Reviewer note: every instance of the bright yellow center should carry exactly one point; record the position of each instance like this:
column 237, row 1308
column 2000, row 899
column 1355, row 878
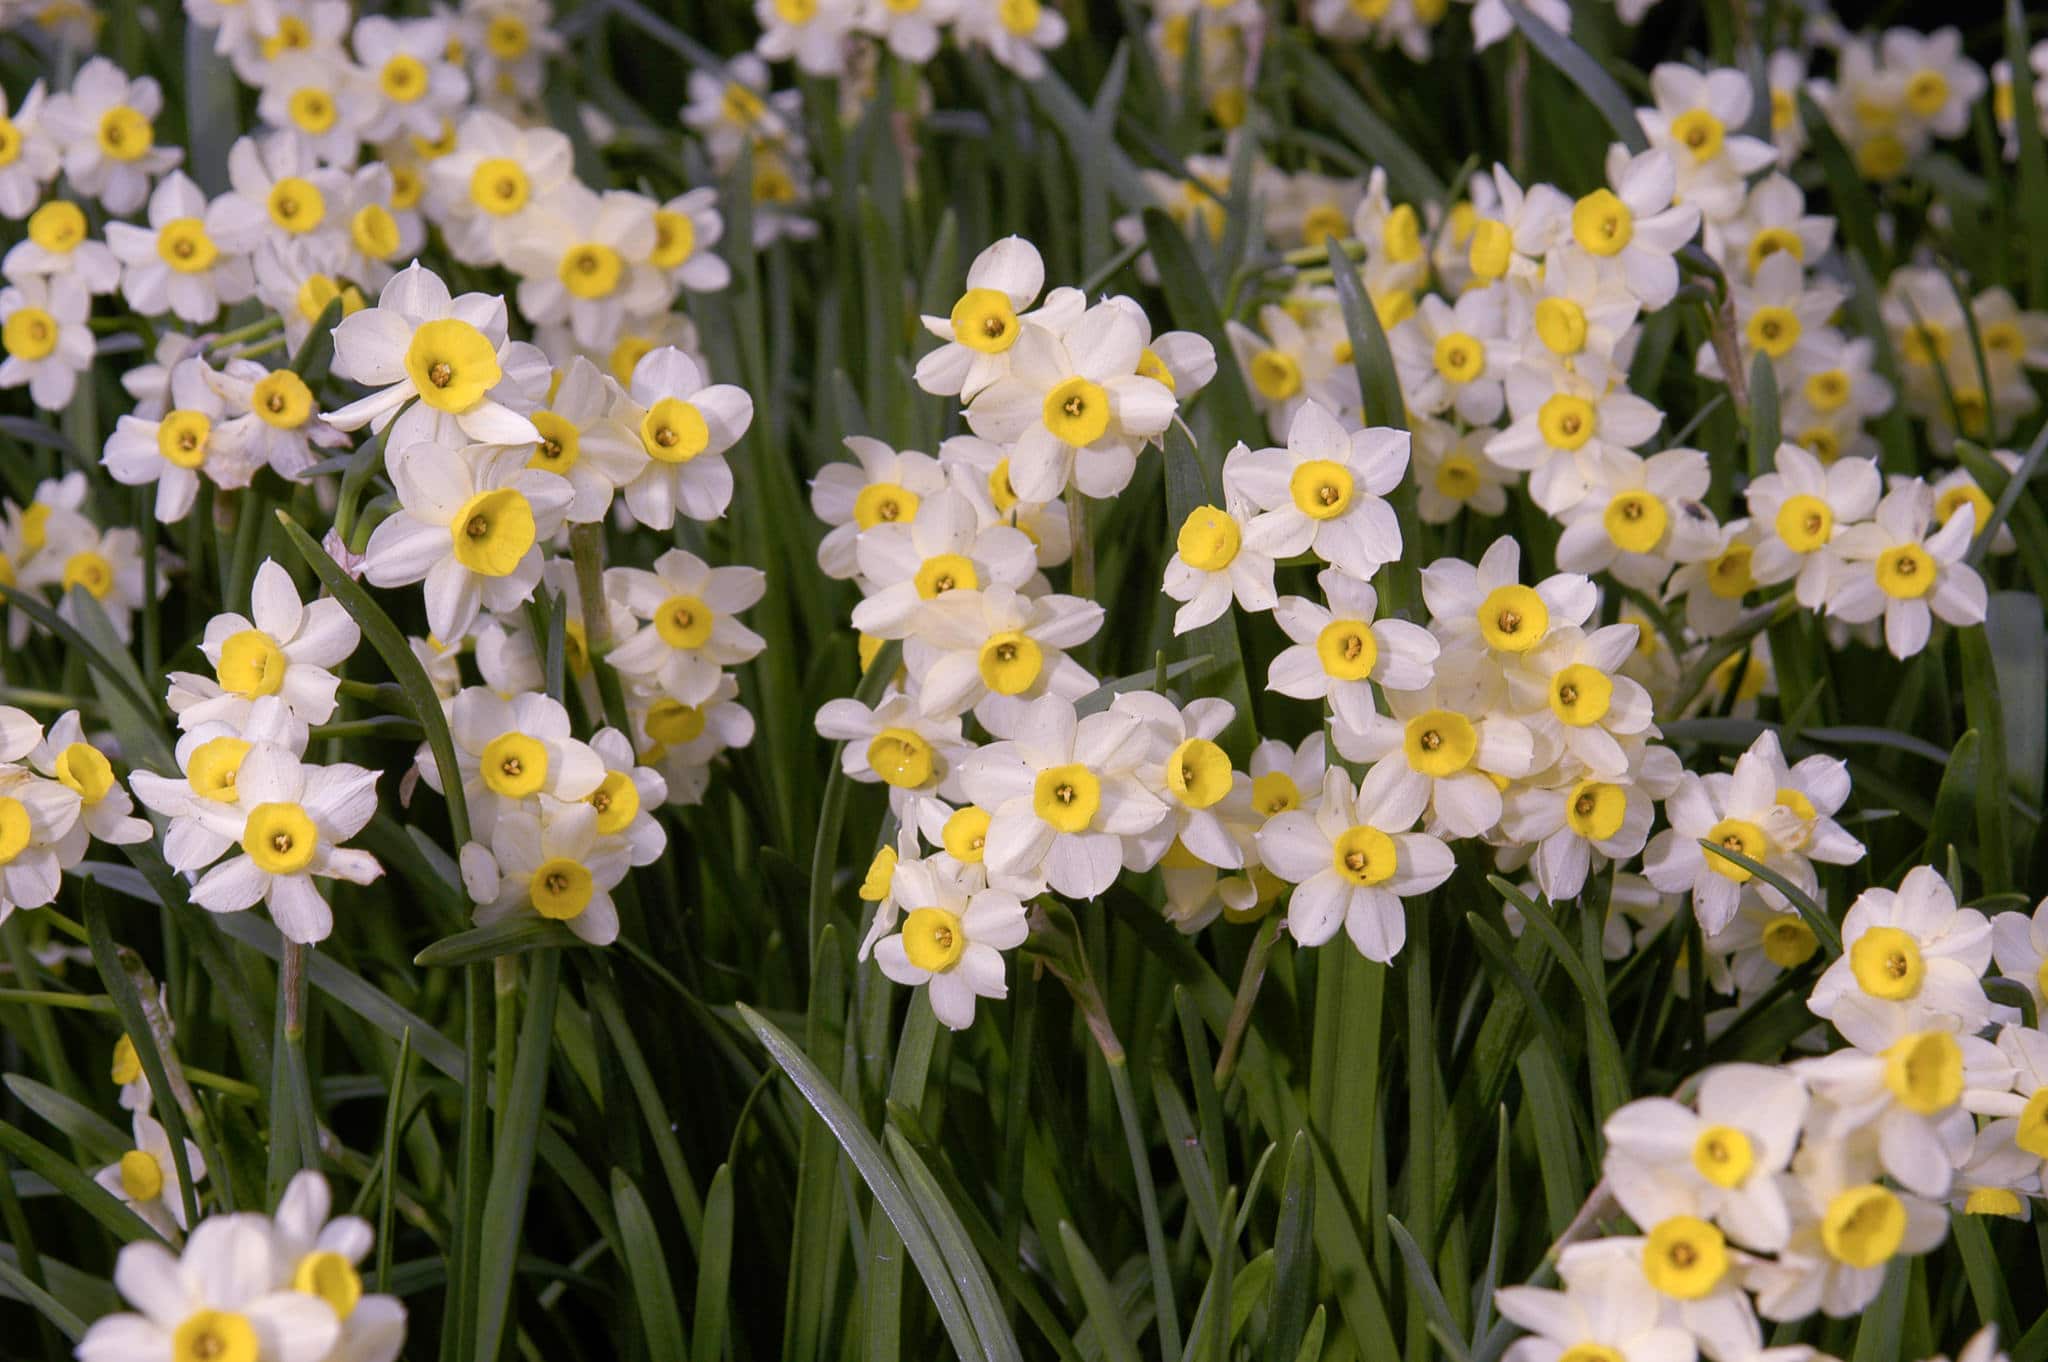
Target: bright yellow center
column 1742, row 838
column 84, row 769
column 90, row 571
column 1347, row 650
column 1561, row 326
column 1926, row 92
column 671, row 723
column 984, row 321
column 1863, row 1226
column 29, row 333
column 1513, row 619
column 901, row 758
column 617, row 801
column 215, row 1336
column 933, row 939
column 127, row 1065
column 1066, row 797
column 1887, row 964
column 1596, row 809
column 281, row 399
column 674, row 431
column 675, row 239
column 312, row 110
column 1925, row 1071
column 591, row 270
column 1492, row 249
column 296, row 205
column 1077, row 412
column 1460, row 358
column 1602, row 224
column 561, row 888
column 403, row 78
column 1567, row 422
column 1198, row 773
column 884, row 503
column 124, row 134
column 506, row 38
column 684, row 621
column 1906, row 572
column 1770, row 241
column 1276, row 375
column 1440, row 742
column 1321, row 488
column 499, row 186
column 1963, row 494
column 1700, row 133
column 1685, row 1257
column 1635, row 521
column 943, row 572
column 1208, row 540
column 58, row 226
column 1010, row 662
column 1364, row 855
column 452, row 364
column 965, row 835
column 1805, row 523
column 1402, row 235
column 374, row 231
column 1580, row 696
column 15, row 829
column 1275, row 792
column 1774, row 330
column 321, row 289
column 280, row 838
column 1457, row 478
column 492, row 532
column 251, row 664
column 1788, row 942
column 215, row 764
column 184, row 245
column 331, row 1277
column 1993, row 1201
column 2033, row 1131
column 181, row 438
column 1728, row 575
column 513, row 766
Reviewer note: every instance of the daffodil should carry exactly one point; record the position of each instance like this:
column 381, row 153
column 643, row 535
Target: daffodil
column 1606, row 1309
column 45, row 338
column 1566, row 425
column 999, row 652
column 190, row 260
column 894, row 743
column 1741, row 812
column 288, row 649
column 680, row 741
column 1452, row 472
column 1697, row 121
column 472, row 385
column 1453, row 357
column 626, row 799
column 1571, row 695
column 1352, row 862
column 1075, row 406
column 1211, row 565
column 685, row 424
column 1288, row 364
column 1719, row 1157
column 489, row 185
column 1341, row 650
column 881, row 487
column 907, row 569
column 692, row 625
column 326, row 101
column 174, row 451
column 1803, row 507
column 292, row 819
column 470, row 528
column 203, row 804
column 951, row 939
column 1895, row 569
column 583, row 442
column 280, row 193
column 146, row 1177
column 34, row 157
column 105, row 809
column 1480, row 610
column 319, row 1256
column 2019, row 942
column 812, row 33
column 1639, row 516
column 1017, row 33
column 1062, row 794
column 510, row 752
column 587, row 258
column 1208, row 801
column 1432, row 751
column 981, row 331
column 1576, row 817
column 1847, row 1227
column 106, row 125
column 59, row 244
column 1773, row 219
column 1635, row 226
column 552, row 865
column 1913, row 950
column 106, row 566
column 416, row 86
column 270, row 418
column 1325, row 493
column 221, row 1299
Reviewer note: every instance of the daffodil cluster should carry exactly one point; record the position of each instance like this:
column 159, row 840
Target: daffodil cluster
column 1774, row 1192
column 244, row 1285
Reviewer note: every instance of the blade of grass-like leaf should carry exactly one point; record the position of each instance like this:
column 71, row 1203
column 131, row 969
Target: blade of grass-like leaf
column 211, row 111
column 1987, row 1276
column 1211, row 1322
column 1423, row 1283
column 1294, row 1263
column 100, row 1138
column 1104, row 1313
column 970, row 1275
column 1763, row 416
column 1955, row 799
column 1344, row 1094
column 2012, row 501
column 1332, row 95
column 647, row 1267
column 390, row 644
column 387, row 1158
column 1983, row 710
column 48, row 1306
column 832, row 808
column 512, row 936
column 1192, row 306
column 1576, row 65
column 881, row 1179
column 1610, row 1073
column 601, row 993
column 2019, row 657
column 511, row 1171
column 1877, row 1335
column 1165, row 1313
column 75, row 1186
column 1823, row 926
column 714, row 1270
column 174, row 1098
column 1854, row 208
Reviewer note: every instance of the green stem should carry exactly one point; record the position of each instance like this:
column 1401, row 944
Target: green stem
column 1166, row 1312
column 1247, row 994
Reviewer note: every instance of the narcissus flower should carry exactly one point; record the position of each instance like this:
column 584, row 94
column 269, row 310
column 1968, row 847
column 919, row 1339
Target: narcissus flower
column 288, row 650
column 470, row 527
column 952, row 936
column 693, row 627
column 1341, row 651
column 1211, row 566
column 685, row 425
column 190, row 260
column 1351, row 863
column 45, row 338
column 146, row 1177
column 883, row 487
column 1325, row 493
column 1895, row 569
column 106, row 125
column 550, row 865
column 981, row 332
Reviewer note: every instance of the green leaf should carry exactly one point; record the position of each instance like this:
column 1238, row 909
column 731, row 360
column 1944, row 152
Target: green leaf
column 1294, row 1264
column 1610, row 1073
column 76, row 1186
column 1955, row 799
column 1983, row 709
column 519, row 1120
column 882, row 1180
column 2033, row 159
column 513, row 936
column 15, row 1282
column 1423, row 1282
column 1333, row 96
column 1104, row 1312
column 1854, row 207
column 99, row 1138
column 1763, row 416
column 390, row 644
column 2019, row 659
column 1193, row 307
column 647, row 1266
column 1344, row 1098
column 1823, row 926
column 714, row 1270
column 1576, row 65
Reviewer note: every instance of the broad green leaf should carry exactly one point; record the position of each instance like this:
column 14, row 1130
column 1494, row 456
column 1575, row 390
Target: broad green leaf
column 647, row 1268
column 1104, row 1312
